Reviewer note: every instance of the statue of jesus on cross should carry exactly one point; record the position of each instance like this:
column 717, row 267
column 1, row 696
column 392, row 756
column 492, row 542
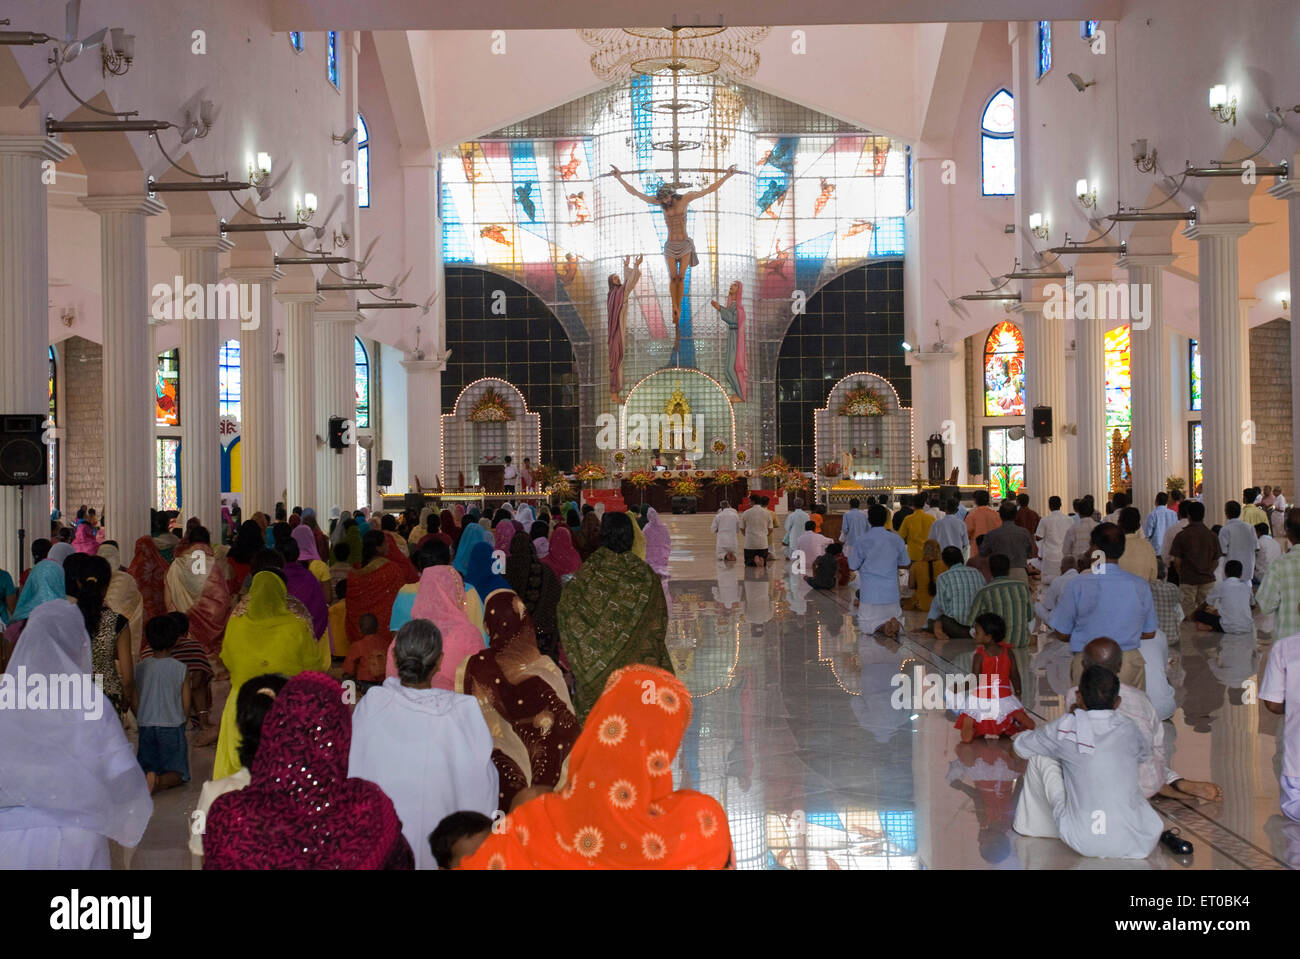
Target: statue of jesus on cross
column 679, row 249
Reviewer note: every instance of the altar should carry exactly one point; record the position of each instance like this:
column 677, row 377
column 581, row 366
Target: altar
column 709, row 492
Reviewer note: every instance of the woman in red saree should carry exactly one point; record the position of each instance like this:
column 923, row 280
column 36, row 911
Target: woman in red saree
column 618, row 809
column 374, row 586
column 149, row 570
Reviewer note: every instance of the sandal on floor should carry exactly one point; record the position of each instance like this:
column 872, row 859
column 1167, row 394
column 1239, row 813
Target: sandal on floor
column 1173, row 840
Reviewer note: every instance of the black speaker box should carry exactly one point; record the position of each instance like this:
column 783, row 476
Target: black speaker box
column 24, row 459
column 384, row 474
column 1042, row 421
column 413, row 501
column 975, row 462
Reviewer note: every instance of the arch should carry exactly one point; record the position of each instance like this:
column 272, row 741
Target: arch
column 997, row 145
column 1004, row 371
column 679, row 373
column 295, row 41
column 883, row 442
column 464, row 444
column 1119, row 392
column 361, row 368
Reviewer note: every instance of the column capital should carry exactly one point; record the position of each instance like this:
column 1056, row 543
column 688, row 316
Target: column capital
column 125, row 203
column 299, row 296
column 436, row 365
column 338, row 316
column 213, row 242
column 1133, row 260
column 1285, row 190
column 254, row 274
column 41, row 147
column 1029, row 308
column 935, row 356
column 1198, row 231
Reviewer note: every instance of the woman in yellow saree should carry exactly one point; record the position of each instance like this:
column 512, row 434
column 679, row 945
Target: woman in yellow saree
column 262, row 637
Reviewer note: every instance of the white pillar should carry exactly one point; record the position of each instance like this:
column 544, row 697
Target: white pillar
column 256, row 405
column 128, row 390
column 1149, row 375
column 939, row 401
column 424, row 420
column 336, row 474
column 24, row 320
column 300, row 398
column 200, row 355
column 1091, row 471
column 1289, row 190
column 1223, row 342
column 1045, row 461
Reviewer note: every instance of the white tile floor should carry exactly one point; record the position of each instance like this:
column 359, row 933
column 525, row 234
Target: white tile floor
column 794, row 733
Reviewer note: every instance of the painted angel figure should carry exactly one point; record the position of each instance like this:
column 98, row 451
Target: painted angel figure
column 679, row 249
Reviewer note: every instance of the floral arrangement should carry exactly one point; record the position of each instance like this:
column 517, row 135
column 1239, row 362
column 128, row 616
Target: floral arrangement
column 620, row 457
column 831, row 468
column 544, row 476
column 724, row 477
column 590, row 471
column 684, row 487
column 561, row 489
column 862, row 401
column 742, row 457
column 776, row 466
column 719, row 447
column 641, row 478
column 491, row 407
column 794, row 481
column 1175, row 483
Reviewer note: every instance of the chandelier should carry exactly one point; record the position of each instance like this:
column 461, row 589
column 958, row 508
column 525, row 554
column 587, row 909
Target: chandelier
column 675, row 51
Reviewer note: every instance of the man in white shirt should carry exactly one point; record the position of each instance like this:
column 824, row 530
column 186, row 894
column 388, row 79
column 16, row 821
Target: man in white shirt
column 1237, row 540
column 949, row 530
column 932, row 508
column 1052, row 594
column 1078, row 535
column 725, row 525
column 1227, row 607
column 1050, row 536
column 511, row 476
column 756, row 523
column 811, row 544
column 1082, row 783
column 1280, row 694
column 854, row 525
column 794, row 525
column 1267, row 550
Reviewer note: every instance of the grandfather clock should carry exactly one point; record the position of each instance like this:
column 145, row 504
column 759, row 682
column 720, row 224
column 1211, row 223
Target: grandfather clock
column 935, row 459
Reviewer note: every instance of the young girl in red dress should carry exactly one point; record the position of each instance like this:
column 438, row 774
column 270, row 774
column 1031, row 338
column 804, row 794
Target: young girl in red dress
column 994, row 708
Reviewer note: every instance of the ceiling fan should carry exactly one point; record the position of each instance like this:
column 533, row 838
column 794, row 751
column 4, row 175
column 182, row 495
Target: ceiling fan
column 70, row 49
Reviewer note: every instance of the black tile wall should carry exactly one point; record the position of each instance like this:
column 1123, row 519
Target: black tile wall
column 853, row 323
column 527, row 346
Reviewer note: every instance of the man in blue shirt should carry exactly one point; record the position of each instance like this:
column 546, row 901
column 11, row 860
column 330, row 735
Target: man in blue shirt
column 950, row 530
column 877, row 557
column 1158, row 521
column 854, row 525
column 1238, row 541
column 1110, row 602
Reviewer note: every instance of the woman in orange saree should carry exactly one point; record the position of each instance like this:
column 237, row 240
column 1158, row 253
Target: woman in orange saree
column 374, row 586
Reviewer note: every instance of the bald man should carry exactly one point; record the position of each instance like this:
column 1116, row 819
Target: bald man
column 1154, row 775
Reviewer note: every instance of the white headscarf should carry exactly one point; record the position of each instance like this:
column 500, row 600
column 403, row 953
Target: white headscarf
column 70, row 763
column 123, row 594
column 526, row 516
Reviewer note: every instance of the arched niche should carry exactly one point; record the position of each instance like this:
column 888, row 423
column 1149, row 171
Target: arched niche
column 469, row 440
column 883, row 442
column 692, row 407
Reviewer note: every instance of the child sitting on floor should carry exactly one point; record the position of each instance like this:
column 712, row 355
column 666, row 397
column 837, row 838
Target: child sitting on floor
column 994, row 708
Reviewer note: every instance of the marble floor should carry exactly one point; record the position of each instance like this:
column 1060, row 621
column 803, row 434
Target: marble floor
column 794, row 732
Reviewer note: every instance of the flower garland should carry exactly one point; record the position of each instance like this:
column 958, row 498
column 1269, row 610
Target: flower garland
column 861, row 400
column 491, row 407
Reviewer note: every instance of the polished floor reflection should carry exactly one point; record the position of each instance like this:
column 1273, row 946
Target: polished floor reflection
column 794, row 732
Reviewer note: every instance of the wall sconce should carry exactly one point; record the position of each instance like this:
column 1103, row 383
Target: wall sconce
column 259, row 170
column 1223, row 104
column 116, row 55
column 1039, row 226
column 1285, row 300
column 1143, row 159
column 305, row 209
column 1087, row 195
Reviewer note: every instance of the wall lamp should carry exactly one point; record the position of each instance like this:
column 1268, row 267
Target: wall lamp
column 1223, row 104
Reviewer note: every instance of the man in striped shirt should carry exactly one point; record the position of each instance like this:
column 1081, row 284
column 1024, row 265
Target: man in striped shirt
column 1279, row 593
column 1007, row 597
column 954, row 591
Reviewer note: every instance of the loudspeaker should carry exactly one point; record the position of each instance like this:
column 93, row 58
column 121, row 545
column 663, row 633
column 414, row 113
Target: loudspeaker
column 384, row 474
column 413, row 501
column 337, row 429
column 975, row 462
column 24, row 459
column 1042, row 421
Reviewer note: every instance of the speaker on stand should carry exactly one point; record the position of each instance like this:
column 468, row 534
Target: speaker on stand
column 24, row 461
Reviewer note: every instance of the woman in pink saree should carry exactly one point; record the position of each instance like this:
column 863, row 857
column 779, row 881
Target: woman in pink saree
column 733, row 315
column 616, row 303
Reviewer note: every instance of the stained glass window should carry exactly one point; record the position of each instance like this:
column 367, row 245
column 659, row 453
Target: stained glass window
column 228, row 380
column 363, row 478
column 363, row 162
column 1006, row 459
column 998, row 146
column 295, row 40
column 1004, row 371
column 1194, row 373
column 167, row 475
column 362, row 363
column 53, row 444
column 1088, row 28
column 1044, row 47
column 1194, row 445
column 53, row 388
column 332, row 56
column 167, row 395
column 1119, row 389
